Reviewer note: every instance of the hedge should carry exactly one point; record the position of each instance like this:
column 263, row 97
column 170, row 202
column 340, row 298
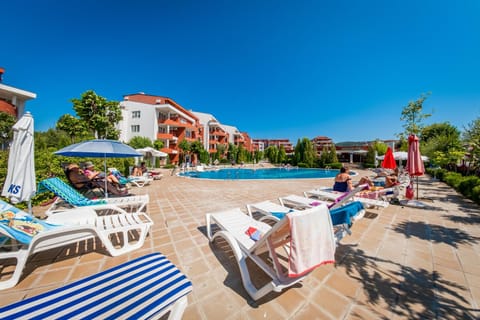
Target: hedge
column 468, row 186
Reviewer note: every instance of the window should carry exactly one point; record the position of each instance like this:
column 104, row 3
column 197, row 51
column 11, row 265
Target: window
column 136, row 128
column 162, row 130
column 135, row 114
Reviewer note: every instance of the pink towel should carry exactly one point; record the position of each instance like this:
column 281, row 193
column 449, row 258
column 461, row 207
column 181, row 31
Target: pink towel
column 312, row 242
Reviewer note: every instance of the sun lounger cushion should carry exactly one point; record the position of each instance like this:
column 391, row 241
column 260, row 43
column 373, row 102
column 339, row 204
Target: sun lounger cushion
column 144, row 288
column 19, row 224
column 71, row 195
column 344, row 215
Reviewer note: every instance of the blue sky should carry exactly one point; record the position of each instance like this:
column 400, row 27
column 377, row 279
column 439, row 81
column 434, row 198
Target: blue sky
column 275, row 69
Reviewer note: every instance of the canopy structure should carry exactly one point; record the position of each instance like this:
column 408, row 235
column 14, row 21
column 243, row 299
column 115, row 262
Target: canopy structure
column 151, row 153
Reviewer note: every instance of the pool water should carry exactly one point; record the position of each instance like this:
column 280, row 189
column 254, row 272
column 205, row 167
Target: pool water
column 261, row 173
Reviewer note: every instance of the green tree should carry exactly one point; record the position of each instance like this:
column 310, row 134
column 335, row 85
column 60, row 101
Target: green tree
column 51, row 139
column 333, row 154
column 378, row 148
column 221, row 150
column 282, row 155
column 271, row 153
column 74, row 127
column 100, row 115
column 439, row 129
column 138, row 142
column 441, row 138
column 298, row 152
column 305, row 154
column 413, row 116
column 232, row 152
column 471, row 137
column 6, row 133
column 324, row 157
column 185, row 148
column 158, row 144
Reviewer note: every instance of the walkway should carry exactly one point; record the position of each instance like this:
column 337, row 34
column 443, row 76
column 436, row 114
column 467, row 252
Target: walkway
column 399, row 263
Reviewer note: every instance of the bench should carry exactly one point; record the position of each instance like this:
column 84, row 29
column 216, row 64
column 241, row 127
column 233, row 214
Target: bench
column 143, row 288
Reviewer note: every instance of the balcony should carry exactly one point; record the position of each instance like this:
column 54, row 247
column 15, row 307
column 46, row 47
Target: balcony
column 218, row 133
column 169, row 150
column 175, row 123
column 166, row 136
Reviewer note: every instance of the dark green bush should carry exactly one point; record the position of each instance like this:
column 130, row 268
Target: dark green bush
column 467, row 184
column 302, row 165
column 335, row 165
column 476, row 194
column 453, row 179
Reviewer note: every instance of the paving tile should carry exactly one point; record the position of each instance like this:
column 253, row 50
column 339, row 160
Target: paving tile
column 324, row 299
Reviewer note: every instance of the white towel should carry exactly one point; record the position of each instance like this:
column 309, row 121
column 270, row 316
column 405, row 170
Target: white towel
column 312, row 241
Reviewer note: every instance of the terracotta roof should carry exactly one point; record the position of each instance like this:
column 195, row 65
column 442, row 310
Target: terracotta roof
column 7, row 108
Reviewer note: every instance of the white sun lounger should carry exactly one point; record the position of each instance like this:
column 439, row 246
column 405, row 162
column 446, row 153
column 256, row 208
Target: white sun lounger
column 120, row 233
column 274, row 211
column 73, row 198
column 144, row 288
column 300, row 203
column 327, row 194
column 317, row 245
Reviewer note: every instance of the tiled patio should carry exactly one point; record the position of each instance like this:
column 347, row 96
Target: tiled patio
column 399, row 263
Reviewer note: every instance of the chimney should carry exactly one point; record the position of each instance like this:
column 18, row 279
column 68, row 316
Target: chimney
column 2, row 71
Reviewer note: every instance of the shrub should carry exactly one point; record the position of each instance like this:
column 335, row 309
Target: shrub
column 467, row 184
column 335, row 165
column 476, row 194
column 453, row 179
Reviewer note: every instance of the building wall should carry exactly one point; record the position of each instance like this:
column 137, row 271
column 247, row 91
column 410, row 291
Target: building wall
column 13, row 99
column 158, row 118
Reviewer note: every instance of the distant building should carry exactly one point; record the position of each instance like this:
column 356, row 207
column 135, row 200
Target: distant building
column 320, row 143
column 158, row 118
column 262, row 144
column 356, row 151
column 161, row 118
column 12, row 100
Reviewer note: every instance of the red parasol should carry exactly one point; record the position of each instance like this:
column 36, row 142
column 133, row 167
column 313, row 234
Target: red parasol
column 414, row 160
column 388, row 160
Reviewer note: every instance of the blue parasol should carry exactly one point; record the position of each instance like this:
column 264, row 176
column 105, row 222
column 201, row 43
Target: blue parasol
column 99, row 148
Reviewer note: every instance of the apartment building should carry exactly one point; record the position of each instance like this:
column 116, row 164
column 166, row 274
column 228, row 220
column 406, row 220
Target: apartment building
column 216, row 133
column 262, row 144
column 212, row 132
column 321, row 142
column 13, row 100
column 158, row 118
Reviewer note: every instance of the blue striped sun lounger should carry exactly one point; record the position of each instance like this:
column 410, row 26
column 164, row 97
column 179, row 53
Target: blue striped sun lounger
column 145, row 288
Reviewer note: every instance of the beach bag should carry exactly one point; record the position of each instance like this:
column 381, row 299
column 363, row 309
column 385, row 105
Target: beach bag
column 409, row 192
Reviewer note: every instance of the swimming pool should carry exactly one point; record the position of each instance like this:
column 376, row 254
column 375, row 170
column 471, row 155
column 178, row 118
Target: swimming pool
column 261, row 173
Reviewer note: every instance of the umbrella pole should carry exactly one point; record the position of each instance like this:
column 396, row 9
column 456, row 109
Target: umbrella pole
column 106, row 175
column 417, row 187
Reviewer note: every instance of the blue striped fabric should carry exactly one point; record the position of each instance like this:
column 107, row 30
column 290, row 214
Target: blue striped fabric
column 139, row 289
column 66, row 192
